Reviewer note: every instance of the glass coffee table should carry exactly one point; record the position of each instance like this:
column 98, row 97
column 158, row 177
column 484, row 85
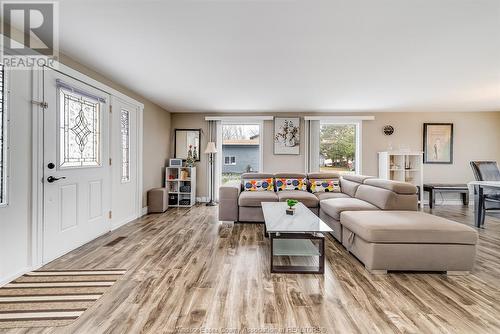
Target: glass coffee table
column 300, row 234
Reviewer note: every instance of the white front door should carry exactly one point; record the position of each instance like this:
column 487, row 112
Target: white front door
column 76, row 164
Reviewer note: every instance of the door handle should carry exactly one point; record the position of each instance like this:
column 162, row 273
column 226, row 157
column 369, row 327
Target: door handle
column 51, row 179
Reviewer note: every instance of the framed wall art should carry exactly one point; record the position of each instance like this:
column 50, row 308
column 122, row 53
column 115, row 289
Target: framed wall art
column 287, row 135
column 438, row 143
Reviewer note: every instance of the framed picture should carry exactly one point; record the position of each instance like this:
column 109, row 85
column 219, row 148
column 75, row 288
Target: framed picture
column 287, row 135
column 438, row 143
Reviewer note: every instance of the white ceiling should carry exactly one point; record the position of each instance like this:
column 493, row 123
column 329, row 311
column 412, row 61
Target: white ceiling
column 297, row 55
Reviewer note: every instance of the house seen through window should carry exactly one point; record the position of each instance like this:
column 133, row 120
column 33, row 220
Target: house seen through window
column 240, row 150
column 230, row 160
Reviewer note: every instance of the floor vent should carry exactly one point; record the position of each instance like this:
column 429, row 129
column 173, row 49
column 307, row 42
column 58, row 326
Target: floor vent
column 114, row 242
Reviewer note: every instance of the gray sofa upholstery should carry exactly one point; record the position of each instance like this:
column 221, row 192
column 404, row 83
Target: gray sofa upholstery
column 358, row 192
column 367, row 194
column 375, row 220
column 408, row 240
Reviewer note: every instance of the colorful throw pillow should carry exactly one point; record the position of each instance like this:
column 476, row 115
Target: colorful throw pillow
column 326, row 185
column 291, row 184
column 258, row 185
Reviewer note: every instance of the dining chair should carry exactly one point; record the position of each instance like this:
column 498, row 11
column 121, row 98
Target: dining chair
column 487, row 171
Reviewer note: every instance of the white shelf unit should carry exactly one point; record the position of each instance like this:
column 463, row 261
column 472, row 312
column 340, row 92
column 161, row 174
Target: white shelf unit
column 181, row 186
column 404, row 167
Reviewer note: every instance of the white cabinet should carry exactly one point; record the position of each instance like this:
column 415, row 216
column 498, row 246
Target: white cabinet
column 404, row 167
column 181, row 186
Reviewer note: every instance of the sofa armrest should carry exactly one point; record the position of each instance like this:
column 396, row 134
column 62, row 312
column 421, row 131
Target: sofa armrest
column 228, row 202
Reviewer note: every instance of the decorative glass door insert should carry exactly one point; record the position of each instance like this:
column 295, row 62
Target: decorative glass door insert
column 79, row 134
column 125, row 142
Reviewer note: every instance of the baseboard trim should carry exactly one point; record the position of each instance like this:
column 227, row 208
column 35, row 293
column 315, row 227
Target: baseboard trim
column 144, row 211
column 124, row 222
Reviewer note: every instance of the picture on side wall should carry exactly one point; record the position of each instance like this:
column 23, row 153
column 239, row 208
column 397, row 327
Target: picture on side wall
column 286, row 135
column 438, row 143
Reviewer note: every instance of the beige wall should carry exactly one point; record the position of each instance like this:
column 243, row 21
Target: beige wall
column 156, row 129
column 476, row 136
column 278, row 163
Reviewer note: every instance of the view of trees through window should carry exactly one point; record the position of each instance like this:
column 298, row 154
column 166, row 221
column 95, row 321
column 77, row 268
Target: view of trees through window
column 240, row 150
column 338, row 147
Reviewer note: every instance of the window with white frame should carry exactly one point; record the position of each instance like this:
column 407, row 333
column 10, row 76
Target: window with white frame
column 230, row 160
column 125, row 144
column 337, row 147
column 241, row 149
column 3, row 144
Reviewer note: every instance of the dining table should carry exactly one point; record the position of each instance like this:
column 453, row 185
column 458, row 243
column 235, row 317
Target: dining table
column 479, row 192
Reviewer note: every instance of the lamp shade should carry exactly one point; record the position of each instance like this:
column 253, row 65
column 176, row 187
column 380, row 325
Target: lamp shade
column 210, row 147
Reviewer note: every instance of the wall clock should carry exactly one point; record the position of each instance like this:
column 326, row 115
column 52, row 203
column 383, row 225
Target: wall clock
column 388, row 130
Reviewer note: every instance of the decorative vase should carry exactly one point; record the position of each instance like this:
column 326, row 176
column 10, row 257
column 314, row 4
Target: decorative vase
column 189, row 159
column 195, row 154
column 290, row 211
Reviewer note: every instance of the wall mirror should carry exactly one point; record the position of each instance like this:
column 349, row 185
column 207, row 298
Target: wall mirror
column 183, row 139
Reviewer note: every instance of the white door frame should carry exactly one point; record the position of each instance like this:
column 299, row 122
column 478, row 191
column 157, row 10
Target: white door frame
column 139, row 120
column 37, row 151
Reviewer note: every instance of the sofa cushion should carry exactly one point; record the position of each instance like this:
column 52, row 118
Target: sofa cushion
column 356, row 178
column 254, row 198
column 386, row 199
column 349, row 183
column 258, row 185
column 335, row 206
column 349, row 187
column 323, row 175
column 304, row 197
column 395, row 186
column 327, row 195
column 283, row 184
column 324, row 185
column 256, row 176
column 407, row 227
column 290, row 175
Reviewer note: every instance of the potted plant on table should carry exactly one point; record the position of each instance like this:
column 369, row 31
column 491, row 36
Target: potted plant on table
column 291, row 203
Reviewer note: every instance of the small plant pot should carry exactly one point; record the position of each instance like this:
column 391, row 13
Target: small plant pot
column 290, row 212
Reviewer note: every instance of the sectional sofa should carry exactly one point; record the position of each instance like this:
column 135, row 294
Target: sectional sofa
column 375, row 220
column 355, row 193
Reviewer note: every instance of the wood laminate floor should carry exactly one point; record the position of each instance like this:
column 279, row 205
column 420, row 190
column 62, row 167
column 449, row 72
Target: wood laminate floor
column 188, row 273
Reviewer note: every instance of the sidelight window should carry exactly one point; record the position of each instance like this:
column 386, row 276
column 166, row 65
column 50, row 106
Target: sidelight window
column 125, row 144
column 3, row 144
